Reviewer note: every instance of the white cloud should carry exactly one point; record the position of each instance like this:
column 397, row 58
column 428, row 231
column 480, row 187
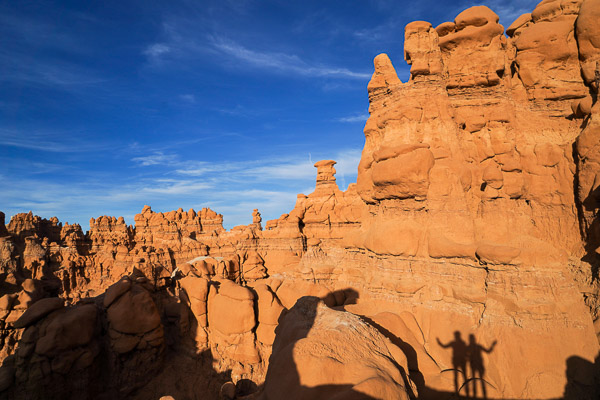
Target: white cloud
column 283, row 169
column 47, row 141
column 175, row 187
column 197, row 170
column 233, row 189
column 190, row 98
column 183, row 43
column 354, row 118
column 347, row 162
column 238, row 110
column 24, row 59
column 26, row 70
column 77, row 201
column 158, row 158
column 281, row 61
column 156, row 50
column 375, row 34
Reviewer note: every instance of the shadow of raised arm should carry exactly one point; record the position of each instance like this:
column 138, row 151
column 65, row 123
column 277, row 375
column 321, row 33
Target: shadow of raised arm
column 491, row 347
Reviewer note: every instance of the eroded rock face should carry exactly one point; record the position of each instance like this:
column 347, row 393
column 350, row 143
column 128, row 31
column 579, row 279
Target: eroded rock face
column 473, row 225
column 3, row 230
column 484, row 137
column 588, row 142
column 68, row 352
column 322, row 353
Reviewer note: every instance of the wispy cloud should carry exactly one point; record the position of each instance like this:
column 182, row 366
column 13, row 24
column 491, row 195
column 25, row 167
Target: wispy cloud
column 374, row 34
column 176, row 187
column 201, row 169
column 31, row 31
column 237, row 205
column 188, row 98
column 183, row 42
column 354, row 118
column 347, row 162
column 232, row 188
column 45, row 73
column 283, row 169
column 282, row 61
column 288, row 168
column 157, row 149
column 24, row 48
column 301, row 169
column 22, row 166
column 158, row 158
column 237, row 110
column 50, row 142
column 156, row 50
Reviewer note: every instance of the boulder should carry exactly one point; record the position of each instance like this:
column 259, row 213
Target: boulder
column 134, row 312
column 38, row 311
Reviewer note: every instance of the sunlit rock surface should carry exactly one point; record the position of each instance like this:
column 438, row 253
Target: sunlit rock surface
column 464, row 259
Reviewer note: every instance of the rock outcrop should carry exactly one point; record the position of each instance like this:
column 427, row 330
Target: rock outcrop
column 321, row 353
column 468, row 246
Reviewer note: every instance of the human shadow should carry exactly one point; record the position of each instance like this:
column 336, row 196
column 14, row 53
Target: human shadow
column 459, row 360
column 468, row 355
column 475, row 360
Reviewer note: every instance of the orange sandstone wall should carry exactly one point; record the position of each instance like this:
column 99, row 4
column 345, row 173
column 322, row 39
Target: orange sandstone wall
column 475, row 213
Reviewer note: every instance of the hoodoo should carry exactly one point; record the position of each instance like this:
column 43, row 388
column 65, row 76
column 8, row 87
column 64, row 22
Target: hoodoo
column 462, row 262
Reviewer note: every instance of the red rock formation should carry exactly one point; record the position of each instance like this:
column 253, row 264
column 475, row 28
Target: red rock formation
column 474, row 218
column 322, row 353
column 3, row 230
column 588, row 142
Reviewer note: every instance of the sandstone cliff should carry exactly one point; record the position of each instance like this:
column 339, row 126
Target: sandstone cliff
column 474, row 215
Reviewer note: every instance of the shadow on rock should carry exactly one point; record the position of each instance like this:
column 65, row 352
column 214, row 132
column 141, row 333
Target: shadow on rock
column 583, row 379
column 321, row 353
column 127, row 343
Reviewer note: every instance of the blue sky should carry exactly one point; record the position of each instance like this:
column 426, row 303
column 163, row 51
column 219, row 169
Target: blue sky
column 108, row 106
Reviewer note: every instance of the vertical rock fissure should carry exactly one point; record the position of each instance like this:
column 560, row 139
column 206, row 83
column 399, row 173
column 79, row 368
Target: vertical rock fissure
column 485, row 283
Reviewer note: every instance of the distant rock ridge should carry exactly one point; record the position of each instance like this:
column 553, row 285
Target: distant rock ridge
column 474, row 215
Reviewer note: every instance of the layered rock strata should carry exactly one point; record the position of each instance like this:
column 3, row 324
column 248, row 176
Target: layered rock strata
column 468, row 245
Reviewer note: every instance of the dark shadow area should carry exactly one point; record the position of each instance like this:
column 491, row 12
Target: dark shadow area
column 245, row 387
column 592, row 232
column 414, row 373
column 340, row 298
column 176, row 369
column 283, row 376
column 185, row 377
column 583, row 379
column 597, row 81
column 590, row 204
column 185, row 373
